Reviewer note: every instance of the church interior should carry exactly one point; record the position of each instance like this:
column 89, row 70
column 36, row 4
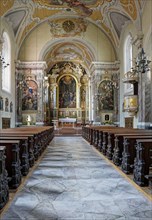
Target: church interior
column 75, row 109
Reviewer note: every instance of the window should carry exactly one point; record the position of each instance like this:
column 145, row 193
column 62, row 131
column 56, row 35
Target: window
column 127, row 59
column 6, row 54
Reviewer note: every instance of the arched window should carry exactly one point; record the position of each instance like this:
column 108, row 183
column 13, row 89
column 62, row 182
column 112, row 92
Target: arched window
column 127, row 58
column 6, row 69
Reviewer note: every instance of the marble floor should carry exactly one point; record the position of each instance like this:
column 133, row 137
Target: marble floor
column 74, row 182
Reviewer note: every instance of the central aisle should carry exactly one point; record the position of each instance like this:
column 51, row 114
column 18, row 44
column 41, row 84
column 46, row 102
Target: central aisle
column 74, row 182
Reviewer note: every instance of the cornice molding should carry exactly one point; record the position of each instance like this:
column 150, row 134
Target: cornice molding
column 36, row 65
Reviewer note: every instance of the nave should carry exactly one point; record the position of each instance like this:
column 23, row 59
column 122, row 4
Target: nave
column 75, row 182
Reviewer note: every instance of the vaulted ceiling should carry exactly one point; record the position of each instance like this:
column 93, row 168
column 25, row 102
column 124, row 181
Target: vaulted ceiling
column 70, row 17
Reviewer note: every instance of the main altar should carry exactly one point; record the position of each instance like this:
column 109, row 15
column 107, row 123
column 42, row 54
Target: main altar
column 68, row 95
column 67, row 122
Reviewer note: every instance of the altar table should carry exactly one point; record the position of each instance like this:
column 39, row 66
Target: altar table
column 68, row 121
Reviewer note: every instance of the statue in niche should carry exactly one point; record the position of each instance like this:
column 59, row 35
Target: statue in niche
column 55, row 69
column 79, row 70
column 67, row 68
column 11, row 106
column 1, row 103
column 106, row 95
column 6, row 104
column 83, row 98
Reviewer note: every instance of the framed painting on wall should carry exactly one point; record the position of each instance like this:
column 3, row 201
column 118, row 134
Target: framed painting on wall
column 29, row 95
column 106, row 95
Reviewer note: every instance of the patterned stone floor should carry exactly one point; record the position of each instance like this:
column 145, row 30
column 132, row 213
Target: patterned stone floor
column 74, row 182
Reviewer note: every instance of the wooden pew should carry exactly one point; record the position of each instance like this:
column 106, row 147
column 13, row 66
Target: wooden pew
column 42, row 135
column 149, row 178
column 110, row 143
column 35, row 140
column 113, row 144
column 103, row 137
column 143, row 161
column 129, row 151
column 93, row 134
column 12, row 162
column 39, row 138
column 30, row 143
column 96, row 133
column 85, row 131
column 4, row 190
column 23, row 152
column 118, row 143
column 26, row 144
column 106, row 137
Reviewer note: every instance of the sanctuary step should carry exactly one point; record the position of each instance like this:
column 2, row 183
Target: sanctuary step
column 68, row 131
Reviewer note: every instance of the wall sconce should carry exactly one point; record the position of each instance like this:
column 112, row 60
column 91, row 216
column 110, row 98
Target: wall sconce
column 130, row 104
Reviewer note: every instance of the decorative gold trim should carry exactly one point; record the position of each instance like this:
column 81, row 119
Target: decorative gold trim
column 5, row 6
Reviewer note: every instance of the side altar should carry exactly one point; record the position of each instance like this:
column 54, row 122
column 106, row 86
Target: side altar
column 67, row 122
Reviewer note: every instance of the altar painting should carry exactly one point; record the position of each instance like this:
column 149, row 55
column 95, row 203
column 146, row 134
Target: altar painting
column 106, row 95
column 67, row 92
column 29, row 95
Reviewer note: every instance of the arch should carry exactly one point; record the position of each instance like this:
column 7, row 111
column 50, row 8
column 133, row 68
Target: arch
column 57, row 16
column 76, row 42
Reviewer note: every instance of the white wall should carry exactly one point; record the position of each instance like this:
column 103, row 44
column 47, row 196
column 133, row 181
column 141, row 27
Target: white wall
column 11, row 96
column 128, row 30
column 147, row 45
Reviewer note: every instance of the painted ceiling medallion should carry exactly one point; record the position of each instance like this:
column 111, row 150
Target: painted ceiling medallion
column 68, row 25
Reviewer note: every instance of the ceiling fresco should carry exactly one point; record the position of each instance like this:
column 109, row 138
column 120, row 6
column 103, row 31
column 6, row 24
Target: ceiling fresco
column 70, row 18
column 96, row 11
column 73, row 52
